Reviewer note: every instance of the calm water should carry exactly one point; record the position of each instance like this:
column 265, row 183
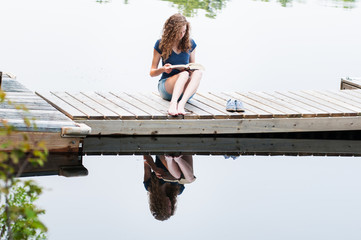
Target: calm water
column 245, row 45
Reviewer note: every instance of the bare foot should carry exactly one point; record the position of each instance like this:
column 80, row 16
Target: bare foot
column 172, row 110
column 181, row 110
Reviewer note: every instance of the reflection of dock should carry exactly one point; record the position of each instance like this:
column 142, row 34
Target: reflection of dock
column 128, row 145
column 110, row 113
column 62, row 164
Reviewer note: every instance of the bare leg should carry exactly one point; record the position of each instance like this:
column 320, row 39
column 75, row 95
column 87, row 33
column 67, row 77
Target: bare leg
column 175, row 85
column 185, row 164
column 173, row 168
column 191, row 88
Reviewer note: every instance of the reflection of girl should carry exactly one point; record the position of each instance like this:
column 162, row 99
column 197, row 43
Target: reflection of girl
column 175, row 47
column 164, row 179
column 162, row 194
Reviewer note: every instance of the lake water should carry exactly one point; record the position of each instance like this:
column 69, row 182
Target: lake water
column 247, row 45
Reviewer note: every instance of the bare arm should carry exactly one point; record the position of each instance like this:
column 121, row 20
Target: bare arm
column 151, row 165
column 154, row 70
column 147, row 172
column 192, row 57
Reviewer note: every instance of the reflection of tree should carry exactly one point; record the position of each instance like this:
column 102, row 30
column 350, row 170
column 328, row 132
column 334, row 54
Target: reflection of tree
column 329, row 3
column 189, row 8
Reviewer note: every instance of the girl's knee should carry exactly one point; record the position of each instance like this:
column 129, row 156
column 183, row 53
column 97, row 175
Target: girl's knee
column 184, row 74
column 198, row 73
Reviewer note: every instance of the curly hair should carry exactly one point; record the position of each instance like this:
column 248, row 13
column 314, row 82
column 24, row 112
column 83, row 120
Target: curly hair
column 171, row 28
column 158, row 203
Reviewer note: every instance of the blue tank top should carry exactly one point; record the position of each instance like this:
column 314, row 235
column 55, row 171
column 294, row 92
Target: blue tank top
column 174, row 58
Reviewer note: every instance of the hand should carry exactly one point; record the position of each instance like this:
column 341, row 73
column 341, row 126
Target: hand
column 167, row 68
column 178, row 157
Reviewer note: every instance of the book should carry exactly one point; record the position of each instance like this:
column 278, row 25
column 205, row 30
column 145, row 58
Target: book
column 189, row 66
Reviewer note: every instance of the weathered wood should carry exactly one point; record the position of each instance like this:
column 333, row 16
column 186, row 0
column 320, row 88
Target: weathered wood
column 52, row 141
column 255, row 106
column 250, row 110
column 137, row 113
column 295, row 100
column 319, row 103
column 11, row 85
column 220, row 146
column 72, row 99
column 300, row 111
column 64, row 164
column 193, row 112
column 350, row 83
column 213, row 126
column 276, row 110
column 63, row 106
column 161, row 111
column 96, row 106
column 135, row 103
column 120, row 112
column 220, row 107
column 266, row 100
column 335, row 100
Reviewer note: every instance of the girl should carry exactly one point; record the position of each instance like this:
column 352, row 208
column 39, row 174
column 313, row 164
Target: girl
column 175, row 47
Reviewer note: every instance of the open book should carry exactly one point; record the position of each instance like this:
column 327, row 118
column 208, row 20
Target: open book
column 189, row 66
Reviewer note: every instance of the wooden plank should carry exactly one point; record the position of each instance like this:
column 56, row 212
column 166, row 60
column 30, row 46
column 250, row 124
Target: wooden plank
column 258, row 97
column 356, row 93
column 336, row 104
column 41, row 125
column 62, row 106
column 51, row 115
column 286, row 103
column 58, row 163
column 220, row 100
column 299, row 102
column 219, row 146
column 222, row 126
column 12, row 85
column 193, row 112
column 256, row 106
column 138, row 113
column 250, row 109
column 53, row 141
column 90, row 112
column 355, row 100
column 30, row 105
column 342, row 100
column 215, row 113
column 350, row 83
column 163, row 104
column 148, row 102
column 317, row 103
column 220, row 107
column 85, row 99
column 120, row 112
column 153, row 113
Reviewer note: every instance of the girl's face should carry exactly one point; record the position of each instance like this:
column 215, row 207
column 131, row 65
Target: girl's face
column 182, row 32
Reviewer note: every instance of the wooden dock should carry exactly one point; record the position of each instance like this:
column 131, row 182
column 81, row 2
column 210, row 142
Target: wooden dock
column 120, row 113
column 60, row 133
column 220, row 145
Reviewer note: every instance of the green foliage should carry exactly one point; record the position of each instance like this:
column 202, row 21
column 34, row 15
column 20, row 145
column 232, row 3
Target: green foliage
column 18, row 214
column 22, row 213
column 189, row 8
column 348, row 4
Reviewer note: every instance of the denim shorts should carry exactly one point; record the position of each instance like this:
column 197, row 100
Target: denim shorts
column 161, row 89
column 164, row 94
